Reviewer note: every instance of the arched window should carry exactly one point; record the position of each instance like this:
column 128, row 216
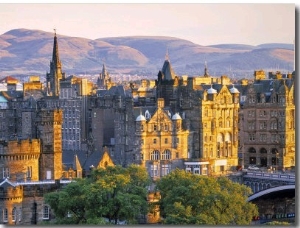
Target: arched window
column 263, row 151
column 46, row 212
column 105, row 164
column 155, row 155
column 166, row 155
column 251, row 150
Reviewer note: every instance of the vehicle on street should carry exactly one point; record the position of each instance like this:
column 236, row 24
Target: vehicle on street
column 253, row 167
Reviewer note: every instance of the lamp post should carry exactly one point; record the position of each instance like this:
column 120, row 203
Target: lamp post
column 277, row 155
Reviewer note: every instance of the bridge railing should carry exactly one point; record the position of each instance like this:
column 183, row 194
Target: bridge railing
column 283, row 176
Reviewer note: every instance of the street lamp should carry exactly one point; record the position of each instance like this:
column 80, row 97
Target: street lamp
column 277, row 155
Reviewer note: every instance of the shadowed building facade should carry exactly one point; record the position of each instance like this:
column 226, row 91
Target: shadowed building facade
column 267, row 121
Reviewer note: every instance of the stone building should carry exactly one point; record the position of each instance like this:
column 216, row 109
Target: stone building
column 104, row 80
column 161, row 142
column 28, row 162
column 209, row 108
column 267, row 121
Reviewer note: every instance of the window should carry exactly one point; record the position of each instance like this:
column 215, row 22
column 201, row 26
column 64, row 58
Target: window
column 166, row 128
column 166, row 140
column 228, row 123
column 251, row 137
column 46, row 211
column 196, row 169
column 262, row 137
column 5, row 172
column 20, row 215
column 154, row 141
column 29, row 172
column 14, row 214
column 252, row 150
column 48, row 174
column 252, row 160
column 188, row 169
column 220, row 123
column 154, row 127
column 165, row 170
column 5, row 215
column 154, row 170
column 166, row 155
column 155, row 155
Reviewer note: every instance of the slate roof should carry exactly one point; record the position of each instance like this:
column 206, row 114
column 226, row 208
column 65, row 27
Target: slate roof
column 114, row 91
column 85, row 162
column 6, row 183
column 167, row 70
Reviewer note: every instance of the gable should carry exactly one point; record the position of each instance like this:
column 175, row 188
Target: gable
column 160, row 116
column 105, row 161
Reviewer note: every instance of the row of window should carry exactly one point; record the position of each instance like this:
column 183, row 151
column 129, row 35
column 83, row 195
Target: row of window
column 263, row 150
column 155, row 155
column 273, row 113
column 264, row 161
column 226, row 112
column 16, row 214
column 274, row 99
column 197, row 169
column 166, row 141
column 273, row 125
column 157, row 171
column 275, row 138
column 160, row 128
column 6, row 172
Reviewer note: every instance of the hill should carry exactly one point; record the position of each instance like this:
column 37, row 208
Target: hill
column 29, row 52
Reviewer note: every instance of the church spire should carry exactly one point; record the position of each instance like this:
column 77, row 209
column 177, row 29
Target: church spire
column 55, row 54
column 55, row 75
column 205, row 70
column 167, row 55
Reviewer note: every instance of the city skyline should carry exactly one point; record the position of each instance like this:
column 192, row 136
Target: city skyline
column 204, row 24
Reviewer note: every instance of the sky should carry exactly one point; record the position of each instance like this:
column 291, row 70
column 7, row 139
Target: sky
column 203, row 24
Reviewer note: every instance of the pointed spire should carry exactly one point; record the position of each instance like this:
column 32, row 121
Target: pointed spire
column 55, row 54
column 205, row 69
column 103, row 70
column 167, row 54
column 56, row 74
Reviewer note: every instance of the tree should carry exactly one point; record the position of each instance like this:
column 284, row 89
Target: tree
column 114, row 193
column 193, row 199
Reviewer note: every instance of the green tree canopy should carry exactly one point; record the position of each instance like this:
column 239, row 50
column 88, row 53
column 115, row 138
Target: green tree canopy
column 193, row 199
column 114, row 193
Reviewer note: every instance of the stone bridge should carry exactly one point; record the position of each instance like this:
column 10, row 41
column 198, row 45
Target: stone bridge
column 283, row 188
column 260, row 181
